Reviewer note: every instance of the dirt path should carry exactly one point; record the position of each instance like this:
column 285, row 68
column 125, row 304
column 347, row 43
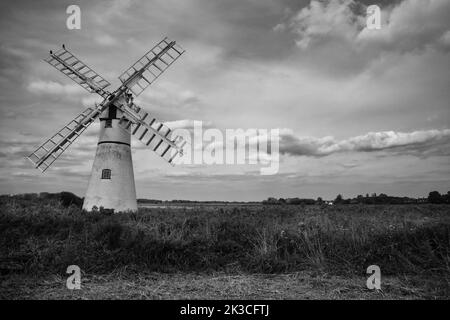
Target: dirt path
column 216, row 286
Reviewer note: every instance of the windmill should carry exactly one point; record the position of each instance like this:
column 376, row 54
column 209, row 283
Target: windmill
column 111, row 184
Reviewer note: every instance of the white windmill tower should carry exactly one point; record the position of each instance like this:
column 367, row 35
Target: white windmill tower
column 111, row 184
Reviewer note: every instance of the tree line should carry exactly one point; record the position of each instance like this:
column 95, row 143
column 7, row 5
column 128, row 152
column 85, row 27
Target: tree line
column 433, row 197
column 68, row 198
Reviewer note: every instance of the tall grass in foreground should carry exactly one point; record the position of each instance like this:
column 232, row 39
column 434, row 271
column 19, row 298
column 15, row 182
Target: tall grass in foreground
column 44, row 237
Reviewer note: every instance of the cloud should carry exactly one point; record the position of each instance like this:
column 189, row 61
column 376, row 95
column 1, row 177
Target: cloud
column 321, row 21
column 445, row 39
column 106, row 40
column 409, row 25
column 116, row 9
column 15, row 150
column 17, row 147
column 169, row 95
column 91, row 100
column 54, row 88
column 187, row 124
column 419, row 143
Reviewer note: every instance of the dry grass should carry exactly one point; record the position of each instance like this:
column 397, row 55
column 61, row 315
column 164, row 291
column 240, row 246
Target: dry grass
column 301, row 285
column 226, row 251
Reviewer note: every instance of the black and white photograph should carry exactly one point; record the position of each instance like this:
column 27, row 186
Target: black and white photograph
column 225, row 155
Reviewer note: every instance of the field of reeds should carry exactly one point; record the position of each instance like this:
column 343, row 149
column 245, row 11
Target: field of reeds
column 39, row 239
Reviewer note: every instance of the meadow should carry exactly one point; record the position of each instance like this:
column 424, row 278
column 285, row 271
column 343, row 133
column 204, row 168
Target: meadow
column 410, row 243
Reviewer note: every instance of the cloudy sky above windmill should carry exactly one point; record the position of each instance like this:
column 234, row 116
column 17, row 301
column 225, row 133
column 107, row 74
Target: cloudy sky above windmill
column 359, row 111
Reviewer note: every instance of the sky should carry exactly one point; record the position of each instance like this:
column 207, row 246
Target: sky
column 359, row 111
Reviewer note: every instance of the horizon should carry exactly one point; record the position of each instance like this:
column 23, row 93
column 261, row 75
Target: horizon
column 370, row 195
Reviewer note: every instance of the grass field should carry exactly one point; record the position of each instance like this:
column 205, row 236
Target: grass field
column 251, row 251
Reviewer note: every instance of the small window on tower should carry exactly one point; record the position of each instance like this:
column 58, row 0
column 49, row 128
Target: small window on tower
column 106, row 174
column 108, row 123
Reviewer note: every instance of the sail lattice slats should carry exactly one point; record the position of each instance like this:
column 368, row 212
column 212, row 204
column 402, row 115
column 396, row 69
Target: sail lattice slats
column 148, row 68
column 52, row 148
column 153, row 133
column 76, row 70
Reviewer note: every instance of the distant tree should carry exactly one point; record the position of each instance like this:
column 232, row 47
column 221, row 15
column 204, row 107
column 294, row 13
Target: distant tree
column 271, row 200
column 319, row 200
column 65, row 198
column 293, row 201
column 151, row 201
column 29, row 196
column 68, row 199
column 435, row 197
column 338, row 199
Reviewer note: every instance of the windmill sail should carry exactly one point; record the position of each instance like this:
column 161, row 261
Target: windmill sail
column 78, row 71
column 51, row 149
column 148, row 68
column 152, row 133
column 140, row 75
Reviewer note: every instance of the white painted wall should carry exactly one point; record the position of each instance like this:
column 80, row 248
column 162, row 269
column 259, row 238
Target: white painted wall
column 118, row 193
